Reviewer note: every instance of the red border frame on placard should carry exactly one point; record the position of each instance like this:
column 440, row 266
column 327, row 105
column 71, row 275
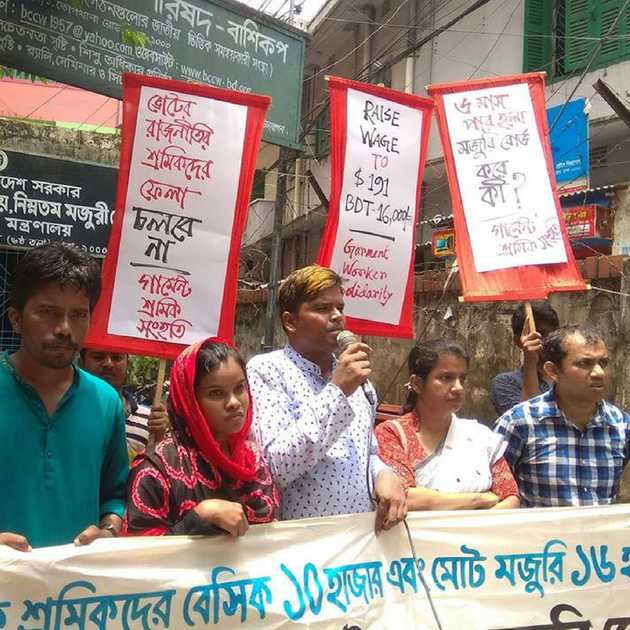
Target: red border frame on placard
column 518, row 283
column 338, row 88
column 257, row 106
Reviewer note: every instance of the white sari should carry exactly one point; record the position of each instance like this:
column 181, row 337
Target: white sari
column 464, row 461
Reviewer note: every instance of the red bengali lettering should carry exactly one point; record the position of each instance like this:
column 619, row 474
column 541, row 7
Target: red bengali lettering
column 153, row 189
column 167, row 286
column 171, row 104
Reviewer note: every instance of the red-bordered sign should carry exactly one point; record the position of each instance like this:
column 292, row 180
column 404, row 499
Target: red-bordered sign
column 499, row 185
column 378, row 146
column 187, row 163
column 580, row 221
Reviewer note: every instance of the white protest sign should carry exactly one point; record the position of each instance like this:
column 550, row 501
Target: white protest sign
column 503, row 179
column 486, row 570
column 374, row 244
column 179, row 212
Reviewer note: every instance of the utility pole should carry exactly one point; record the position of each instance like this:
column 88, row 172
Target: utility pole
column 276, row 247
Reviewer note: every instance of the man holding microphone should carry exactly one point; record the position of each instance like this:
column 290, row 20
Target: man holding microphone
column 314, row 414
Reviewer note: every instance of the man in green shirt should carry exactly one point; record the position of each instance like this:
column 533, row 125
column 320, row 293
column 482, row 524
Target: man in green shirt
column 63, row 455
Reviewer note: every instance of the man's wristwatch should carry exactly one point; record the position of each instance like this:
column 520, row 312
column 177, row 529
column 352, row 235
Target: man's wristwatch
column 110, row 527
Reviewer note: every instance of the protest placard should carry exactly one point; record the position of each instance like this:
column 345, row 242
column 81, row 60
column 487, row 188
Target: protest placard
column 528, row 569
column 378, row 146
column 511, row 243
column 187, row 163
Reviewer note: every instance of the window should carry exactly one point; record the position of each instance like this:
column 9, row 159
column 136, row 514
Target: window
column 258, row 187
column 560, row 35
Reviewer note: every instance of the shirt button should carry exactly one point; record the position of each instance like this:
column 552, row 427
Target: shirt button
column 49, row 454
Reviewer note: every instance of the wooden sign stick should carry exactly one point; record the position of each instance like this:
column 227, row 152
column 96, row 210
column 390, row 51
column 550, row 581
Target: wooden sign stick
column 530, row 323
column 157, row 396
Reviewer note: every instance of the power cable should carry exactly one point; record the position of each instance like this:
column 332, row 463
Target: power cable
column 59, row 91
column 375, row 61
column 410, row 49
column 348, row 54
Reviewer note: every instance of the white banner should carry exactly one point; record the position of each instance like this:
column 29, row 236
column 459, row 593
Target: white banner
column 492, row 570
column 179, row 213
column 502, row 174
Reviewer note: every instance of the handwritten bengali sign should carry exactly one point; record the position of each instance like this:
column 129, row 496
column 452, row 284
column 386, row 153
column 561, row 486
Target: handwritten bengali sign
column 503, row 179
column 185, row 198
column 193, row 40
column 539, row 568
column 44, row 200
column 370, row 235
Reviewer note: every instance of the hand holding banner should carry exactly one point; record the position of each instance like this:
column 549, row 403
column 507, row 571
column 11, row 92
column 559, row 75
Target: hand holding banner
column 378, row 146
column 187, row 162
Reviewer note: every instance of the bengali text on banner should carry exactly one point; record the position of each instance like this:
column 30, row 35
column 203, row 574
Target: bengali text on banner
column 378, row 147
column 187, row 163
column 531, row 569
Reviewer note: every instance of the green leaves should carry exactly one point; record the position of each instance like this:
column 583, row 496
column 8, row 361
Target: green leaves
column 12, row 73
column 134, row 38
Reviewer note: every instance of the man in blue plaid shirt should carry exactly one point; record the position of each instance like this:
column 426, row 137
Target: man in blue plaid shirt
column 568, row 446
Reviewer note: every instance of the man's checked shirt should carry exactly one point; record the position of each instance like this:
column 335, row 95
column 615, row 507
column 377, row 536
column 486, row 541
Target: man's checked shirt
column 557, row 464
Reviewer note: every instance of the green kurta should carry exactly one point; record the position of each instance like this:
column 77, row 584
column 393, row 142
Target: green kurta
column 59, row 473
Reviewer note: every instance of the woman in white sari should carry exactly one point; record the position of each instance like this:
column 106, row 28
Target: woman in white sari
column 446, row 462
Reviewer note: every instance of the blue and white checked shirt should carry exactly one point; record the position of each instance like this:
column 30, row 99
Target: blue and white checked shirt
column 557, row 464
column 315, row 439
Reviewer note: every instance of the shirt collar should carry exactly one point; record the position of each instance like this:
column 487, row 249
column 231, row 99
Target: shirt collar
column 546, row 406
column 304, row 364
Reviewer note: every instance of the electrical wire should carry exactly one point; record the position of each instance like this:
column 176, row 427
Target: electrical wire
column 351, row 52
column 59, row 91
column 496, row 41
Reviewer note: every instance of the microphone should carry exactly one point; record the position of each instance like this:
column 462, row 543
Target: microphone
column 344, row 340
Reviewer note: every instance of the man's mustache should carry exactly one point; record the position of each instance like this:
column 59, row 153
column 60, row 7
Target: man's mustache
column 57, row 345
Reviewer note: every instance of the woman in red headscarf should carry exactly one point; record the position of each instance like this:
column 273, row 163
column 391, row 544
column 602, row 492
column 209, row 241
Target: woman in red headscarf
column 206, row 477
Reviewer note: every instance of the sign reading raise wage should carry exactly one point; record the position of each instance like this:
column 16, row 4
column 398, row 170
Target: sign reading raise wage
column 378, row 146
column 187, row 162
column 505, row 206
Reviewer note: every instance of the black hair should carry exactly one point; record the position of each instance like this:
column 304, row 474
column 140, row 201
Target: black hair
column 543, row 312
column 424, row 356
column 212, row 355
column 553, row 345
column 56, row 262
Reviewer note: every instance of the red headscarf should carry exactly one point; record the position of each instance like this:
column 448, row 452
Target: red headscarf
column 183, row 401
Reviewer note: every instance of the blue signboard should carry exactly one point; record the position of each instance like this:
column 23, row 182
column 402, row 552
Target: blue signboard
column 569, row 142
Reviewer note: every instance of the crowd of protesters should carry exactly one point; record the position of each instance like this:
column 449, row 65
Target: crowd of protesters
column 289, row 435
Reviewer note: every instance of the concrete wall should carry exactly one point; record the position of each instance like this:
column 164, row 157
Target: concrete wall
column 61, row 142
column 484, row 329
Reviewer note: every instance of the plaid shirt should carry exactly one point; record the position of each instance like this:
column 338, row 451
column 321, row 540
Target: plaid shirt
column 557, row 464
